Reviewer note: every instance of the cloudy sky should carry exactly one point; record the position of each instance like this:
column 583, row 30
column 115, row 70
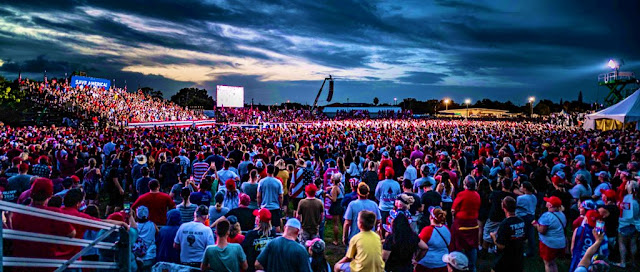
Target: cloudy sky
column 282, row 50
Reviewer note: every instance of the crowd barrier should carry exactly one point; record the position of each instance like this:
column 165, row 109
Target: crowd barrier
column 123, row 246
column 178, row 124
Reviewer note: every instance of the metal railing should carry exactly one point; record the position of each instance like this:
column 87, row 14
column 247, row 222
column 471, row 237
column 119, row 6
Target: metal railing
column 123, row 246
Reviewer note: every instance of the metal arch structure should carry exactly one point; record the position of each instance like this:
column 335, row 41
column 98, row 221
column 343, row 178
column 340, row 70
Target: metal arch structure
column 329, row 97
column 616, row 81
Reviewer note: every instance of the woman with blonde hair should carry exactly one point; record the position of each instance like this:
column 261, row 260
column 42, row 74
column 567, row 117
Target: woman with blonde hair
column 336, row 194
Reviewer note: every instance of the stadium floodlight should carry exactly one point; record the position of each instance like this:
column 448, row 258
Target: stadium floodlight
column 467, row 101
column 446, row 103
column 531, row 100
column 612, row 64
column 395, row 101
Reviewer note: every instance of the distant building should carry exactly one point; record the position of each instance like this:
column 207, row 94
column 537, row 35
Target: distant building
column 333, row 109
column 479, row 112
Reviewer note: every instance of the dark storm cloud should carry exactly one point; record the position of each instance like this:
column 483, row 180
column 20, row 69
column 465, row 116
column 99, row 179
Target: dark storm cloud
column 505, row 42
column 422, row 78
column 37, row 65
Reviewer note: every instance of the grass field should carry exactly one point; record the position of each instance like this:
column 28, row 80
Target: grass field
column 335, row 253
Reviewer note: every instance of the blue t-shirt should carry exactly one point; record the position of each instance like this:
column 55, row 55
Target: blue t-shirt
column 438, row 246
column 526, row 205
column 214, row 214
column 200, row 198
column 354, row 208
column 225, row 175
column 554, row 237
column 282, row 254
column 386, row 192
column 270, row 188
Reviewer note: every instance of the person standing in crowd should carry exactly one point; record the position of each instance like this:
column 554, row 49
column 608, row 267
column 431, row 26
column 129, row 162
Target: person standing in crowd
column 526, row 209
column 257, row 239
column 464, row 231
column 370, row 177
column 401, row 245
column 270, row 196
column 349, row 229
column 41, row 191
column 496, row 214
column 203, row 195
column 509, row 239
column 42, row 169
column 250, row 188
column 186, row 208
column 587, row 263
column 114, row 180
column 200, row 168
column 224, row 256
column 193, row 238
column 225, row 174
column 611, row 214
column 386, row 192
column 310, row 212
column 167, row 234
column 437, row 237
column 157, row 202
column 629, row 224
column 583, row 238
column 551, row 228
column 365, row 249
column 169, row 174
column 336, row 194
column 243, row 214
column 410, row 172
column 17, row 184
column 218, row 211
column 231, row 195
column 284, row 253
column 317, row 259
column 147, row 233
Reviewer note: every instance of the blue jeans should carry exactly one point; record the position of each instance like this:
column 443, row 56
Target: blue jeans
column 530, row 235
column 472, row 255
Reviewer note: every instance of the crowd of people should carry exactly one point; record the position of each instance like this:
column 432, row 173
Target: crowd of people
column 253, row 115
column 401, row 195
column 115, row 106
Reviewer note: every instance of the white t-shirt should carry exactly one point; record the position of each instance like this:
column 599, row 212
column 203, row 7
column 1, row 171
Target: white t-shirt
column 193, row 238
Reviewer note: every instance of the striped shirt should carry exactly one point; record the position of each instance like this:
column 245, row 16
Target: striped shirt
column 199, row 169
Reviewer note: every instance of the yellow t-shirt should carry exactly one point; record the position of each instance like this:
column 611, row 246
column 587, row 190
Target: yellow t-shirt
column 284, row 175
column 365, row 250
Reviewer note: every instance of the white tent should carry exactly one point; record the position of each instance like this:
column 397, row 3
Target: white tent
column 624, row 112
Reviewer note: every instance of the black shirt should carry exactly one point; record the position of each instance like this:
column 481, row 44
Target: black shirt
column 496, row 214
column 564, row 196
column 245, row 217
column 416, row 203
column 401, row 252
column 611, row 222
column 511, row 235
column 429, row 199
column 253, row 244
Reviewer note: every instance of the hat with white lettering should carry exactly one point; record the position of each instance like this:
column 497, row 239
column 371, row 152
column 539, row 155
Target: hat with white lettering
column 456, row 260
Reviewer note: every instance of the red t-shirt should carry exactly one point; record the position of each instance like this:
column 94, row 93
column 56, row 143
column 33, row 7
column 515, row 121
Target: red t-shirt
column 158, row 203
column 237, row 240
column 41, row 225
column 466, row 205
column 67, row 252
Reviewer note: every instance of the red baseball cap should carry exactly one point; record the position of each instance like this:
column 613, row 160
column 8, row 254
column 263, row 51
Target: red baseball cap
column 263, row 214
column 41, row 189
column 117, row 216
column 557, row 180
column 311, row 189
column 230, row 184
column 554, row 200
column 593, row 216
column 388, row 172
column 610, row 194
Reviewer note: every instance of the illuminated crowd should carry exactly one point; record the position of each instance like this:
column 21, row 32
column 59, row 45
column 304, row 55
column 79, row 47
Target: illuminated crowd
column 399, row 194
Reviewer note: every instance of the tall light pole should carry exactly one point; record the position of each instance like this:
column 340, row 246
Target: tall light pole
column 395, row 101
column 467, row 101
column 446, row 103
column 531, row 100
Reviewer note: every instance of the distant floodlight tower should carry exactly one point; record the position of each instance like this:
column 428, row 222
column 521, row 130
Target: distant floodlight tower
column 531, row 100
column 468, row 102
column 616, row 81
column 446, row 103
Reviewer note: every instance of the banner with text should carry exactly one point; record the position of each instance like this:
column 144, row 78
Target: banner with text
column 90, row 81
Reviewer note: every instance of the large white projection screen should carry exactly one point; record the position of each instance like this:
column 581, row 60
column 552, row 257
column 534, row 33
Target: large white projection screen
column 230, row 96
